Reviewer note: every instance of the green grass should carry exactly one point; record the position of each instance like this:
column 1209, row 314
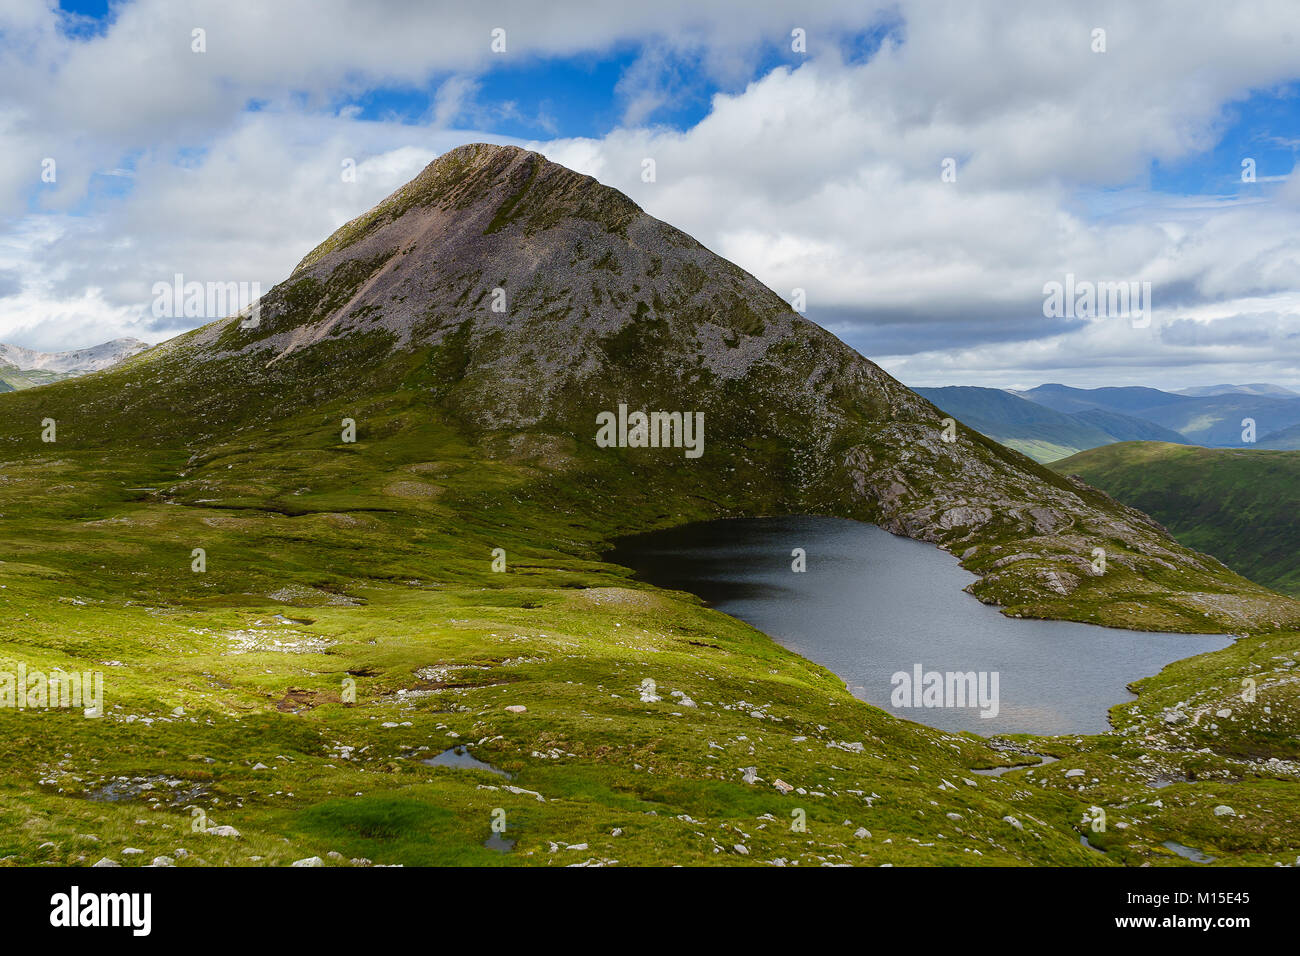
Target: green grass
column 401, row 526
column 1242, row 506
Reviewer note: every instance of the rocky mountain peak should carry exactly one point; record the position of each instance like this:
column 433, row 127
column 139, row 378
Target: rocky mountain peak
column 526, row 303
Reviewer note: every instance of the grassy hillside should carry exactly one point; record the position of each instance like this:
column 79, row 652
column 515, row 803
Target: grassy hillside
column 371, row 562
column 1242, row 506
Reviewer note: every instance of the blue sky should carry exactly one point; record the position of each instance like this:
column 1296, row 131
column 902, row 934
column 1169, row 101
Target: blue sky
column 1264, row 126
column 816, row 169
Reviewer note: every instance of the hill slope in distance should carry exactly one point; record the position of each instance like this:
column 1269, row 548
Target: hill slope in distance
column 1241, row 505
column 26, row 368
column 1039, row 431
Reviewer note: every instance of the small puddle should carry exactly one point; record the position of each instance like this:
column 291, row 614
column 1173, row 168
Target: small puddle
column 460, row 758
column 293, row 620
column 999, row 771
column 499, row 843
column 1159, row 783
column 1095, row 849
column 1188, row 852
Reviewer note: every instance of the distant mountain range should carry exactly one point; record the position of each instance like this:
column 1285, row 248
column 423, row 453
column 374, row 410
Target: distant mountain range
column 1258, row 388
column 25, row 368
column 1054, row 421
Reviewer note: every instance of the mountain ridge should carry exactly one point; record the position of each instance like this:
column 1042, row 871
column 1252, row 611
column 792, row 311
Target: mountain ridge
column 92, row 359
column 1215, row 416
column 1037, row 430
column 26, row 368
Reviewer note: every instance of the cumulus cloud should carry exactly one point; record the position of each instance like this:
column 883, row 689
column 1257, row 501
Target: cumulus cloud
column 822, row 174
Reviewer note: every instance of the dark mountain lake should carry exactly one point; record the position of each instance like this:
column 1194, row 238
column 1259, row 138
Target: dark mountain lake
column 871, row 605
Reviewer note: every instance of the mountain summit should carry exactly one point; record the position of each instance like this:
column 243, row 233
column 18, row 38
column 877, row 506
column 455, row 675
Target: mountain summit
column 520, row 301
column 75, row 361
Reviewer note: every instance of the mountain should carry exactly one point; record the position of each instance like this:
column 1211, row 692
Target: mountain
column 313, row 552
column 1122, row 427
column 1215, row 419
column 1036, row 430
column 1242, row 506
column 1284, row 439
column 1032, row 429
column 92, row 359
column 1130, row 400
column 24, row 368
column 604, row 305
column 1258, row 388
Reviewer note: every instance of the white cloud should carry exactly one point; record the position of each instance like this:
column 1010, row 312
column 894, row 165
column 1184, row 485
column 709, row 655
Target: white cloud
column 823, row 176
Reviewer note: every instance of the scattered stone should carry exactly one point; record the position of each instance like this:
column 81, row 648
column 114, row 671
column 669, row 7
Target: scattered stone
column 310, row 861
column 1013, row 821
column 221, row 831
column 106, row 862
column 1223, row 810
column 521, row 792
column 782, row 785
column 516, row 709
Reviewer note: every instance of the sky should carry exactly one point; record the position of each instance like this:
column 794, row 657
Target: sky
column 923, row 171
